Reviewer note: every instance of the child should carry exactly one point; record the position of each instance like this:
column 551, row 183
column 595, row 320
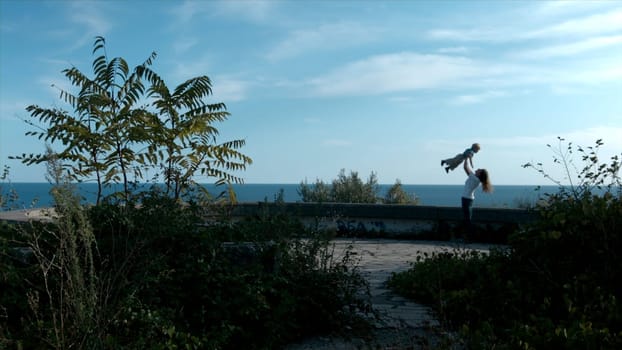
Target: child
column 452, row 163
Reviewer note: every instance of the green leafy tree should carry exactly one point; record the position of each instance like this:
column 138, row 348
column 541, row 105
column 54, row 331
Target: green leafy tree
column 185, row 137
column 344, row 189
column 97, row 138
column 318, row 192
column 352, row 189
column 110, row 136
column 397, row 195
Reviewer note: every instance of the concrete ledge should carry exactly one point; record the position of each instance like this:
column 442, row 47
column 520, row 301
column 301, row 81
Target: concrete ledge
column 385, row 220
column 396, row 221
column 385, row 211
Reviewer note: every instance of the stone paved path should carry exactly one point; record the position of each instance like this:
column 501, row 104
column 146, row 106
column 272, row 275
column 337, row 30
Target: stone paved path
column 403, row 324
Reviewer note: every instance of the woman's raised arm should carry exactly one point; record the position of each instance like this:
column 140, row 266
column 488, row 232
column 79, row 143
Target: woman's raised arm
column 467, row 170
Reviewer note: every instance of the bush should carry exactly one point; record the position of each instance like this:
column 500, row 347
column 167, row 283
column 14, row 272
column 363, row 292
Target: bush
column 344, row 189
column 556, row 285
column 352, row 189
column 166, row 280
column 397, row 195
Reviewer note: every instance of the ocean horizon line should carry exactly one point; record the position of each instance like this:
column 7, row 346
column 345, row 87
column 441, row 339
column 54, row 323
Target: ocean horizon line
column 274, row 183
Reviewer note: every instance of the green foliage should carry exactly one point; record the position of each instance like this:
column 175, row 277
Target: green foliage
column 556, row 286
column 317, row 193
column 98, row 138
column 186, row 134
column 61, row 286
column 397, row 195
column 594, row 175
column 15, row 278
column 457, row 284
column 112, row 138
column 165, row 280
column 352, row 189
column 8, row 196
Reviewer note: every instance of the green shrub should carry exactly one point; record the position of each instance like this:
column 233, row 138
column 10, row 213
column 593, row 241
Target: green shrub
column 344, row 189
column 165, row 280
column 352, row 189
column 397, row 195
column 557, row 284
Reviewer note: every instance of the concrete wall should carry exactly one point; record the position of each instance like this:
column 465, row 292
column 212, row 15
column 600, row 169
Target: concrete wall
column 390, row 220
column 368, row 220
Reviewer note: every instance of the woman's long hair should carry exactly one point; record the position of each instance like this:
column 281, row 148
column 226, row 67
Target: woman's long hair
column 485, row 180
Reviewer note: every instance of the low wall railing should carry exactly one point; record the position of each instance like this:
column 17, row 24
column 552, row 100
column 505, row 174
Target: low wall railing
column 389, row 219
column 379, row 220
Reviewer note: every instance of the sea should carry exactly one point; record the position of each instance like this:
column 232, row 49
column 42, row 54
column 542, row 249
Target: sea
column 37, row 195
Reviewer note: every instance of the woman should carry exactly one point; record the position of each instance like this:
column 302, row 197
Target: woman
column 474, row 179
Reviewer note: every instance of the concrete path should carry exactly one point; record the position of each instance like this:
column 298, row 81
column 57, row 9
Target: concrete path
column 402, row 324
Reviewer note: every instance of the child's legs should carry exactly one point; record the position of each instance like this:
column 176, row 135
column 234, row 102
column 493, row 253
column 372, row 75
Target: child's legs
column 454, row 162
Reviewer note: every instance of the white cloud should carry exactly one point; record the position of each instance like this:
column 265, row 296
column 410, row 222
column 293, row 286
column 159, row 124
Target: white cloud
column 478, row 98
column 401, row 99
column 336, row 143
column 527, row 143
column 563, row 8
column 397, row 72
column 11, row 110
column 89, row 15
column 246, row 10
column 184, row 44
column 452, row 50
column 568, row 90
column 327, row 36
column 409, row 71
column 228, row 89
column 571, row 49
column 189, row 9
column 609, row 22
column 587, row 25
column 250, row 10
column 312, row 120
column 583, row 137
column 51, row 86
column 590, row 73
column 186, row 70
column 481, row 34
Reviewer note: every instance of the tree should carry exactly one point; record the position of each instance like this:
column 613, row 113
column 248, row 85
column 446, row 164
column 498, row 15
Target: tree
column 111, row 137
column 187, row 137
column 351, row 189
column 97, row 140
column 344, row 189
column 318, row 192
column 397, row 195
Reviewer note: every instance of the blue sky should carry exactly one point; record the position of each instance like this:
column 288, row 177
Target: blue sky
column 316, row 86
